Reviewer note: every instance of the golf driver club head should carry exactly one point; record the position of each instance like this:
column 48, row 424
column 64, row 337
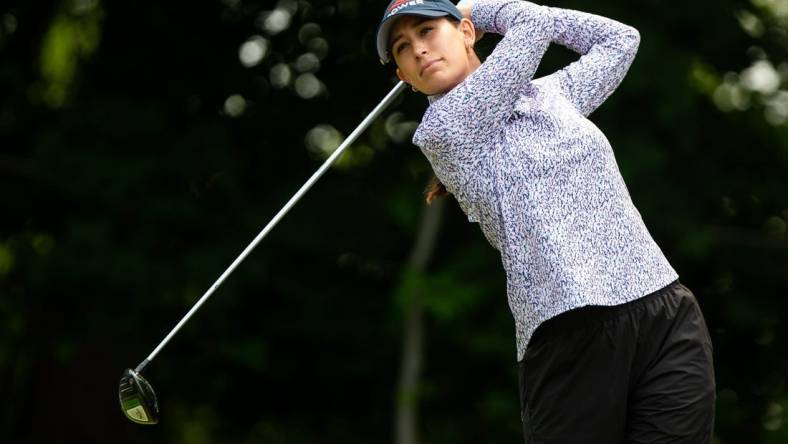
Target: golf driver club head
column 137, row 399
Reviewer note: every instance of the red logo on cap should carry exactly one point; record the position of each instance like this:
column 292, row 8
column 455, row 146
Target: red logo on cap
column 395, row 4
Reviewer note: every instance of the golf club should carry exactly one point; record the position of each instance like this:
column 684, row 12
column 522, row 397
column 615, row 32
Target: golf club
column 137, row 398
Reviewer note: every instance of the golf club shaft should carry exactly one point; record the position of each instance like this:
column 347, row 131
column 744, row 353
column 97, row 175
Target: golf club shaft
column 338, row 152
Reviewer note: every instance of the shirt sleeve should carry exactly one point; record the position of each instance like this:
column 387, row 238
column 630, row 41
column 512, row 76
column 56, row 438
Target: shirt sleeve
column 607, row 49
column 480, row 105
column 482, row 101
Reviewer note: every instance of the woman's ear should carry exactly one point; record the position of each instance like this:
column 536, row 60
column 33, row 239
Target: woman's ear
column 402, row 76
column 405, row 79
column 470, row 33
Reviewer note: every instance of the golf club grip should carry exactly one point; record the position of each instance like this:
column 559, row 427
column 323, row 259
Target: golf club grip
column 334, row 156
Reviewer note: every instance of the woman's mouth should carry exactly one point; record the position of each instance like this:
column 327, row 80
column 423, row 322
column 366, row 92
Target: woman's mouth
column 429, row 65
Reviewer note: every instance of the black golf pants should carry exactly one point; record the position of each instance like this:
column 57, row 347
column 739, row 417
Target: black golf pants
column 639, row 372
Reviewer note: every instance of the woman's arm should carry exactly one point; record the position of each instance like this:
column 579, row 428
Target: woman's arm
column 483, row 101
column 607, row 49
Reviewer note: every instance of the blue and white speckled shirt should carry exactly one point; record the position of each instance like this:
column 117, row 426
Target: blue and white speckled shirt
column 522, row 160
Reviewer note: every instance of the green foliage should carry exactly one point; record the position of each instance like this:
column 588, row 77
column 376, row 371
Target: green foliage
column 444, row 294
column 142, row 147
column 71, row 36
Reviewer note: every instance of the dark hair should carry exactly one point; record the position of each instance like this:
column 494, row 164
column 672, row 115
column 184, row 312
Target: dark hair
column 435, row 188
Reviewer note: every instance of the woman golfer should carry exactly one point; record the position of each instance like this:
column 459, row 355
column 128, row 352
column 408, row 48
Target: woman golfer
column 611, row 347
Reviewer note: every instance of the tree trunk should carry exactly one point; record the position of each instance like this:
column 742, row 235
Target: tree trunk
column 406, row 399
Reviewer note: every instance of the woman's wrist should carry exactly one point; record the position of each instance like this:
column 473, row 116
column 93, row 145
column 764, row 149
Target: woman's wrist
column 465, row 8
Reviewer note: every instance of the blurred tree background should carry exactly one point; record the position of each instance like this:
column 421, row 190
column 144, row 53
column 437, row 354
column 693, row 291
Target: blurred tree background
column 144, row 144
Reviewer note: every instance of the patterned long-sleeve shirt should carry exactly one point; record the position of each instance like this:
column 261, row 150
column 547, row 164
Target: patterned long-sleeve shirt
column 522, row 159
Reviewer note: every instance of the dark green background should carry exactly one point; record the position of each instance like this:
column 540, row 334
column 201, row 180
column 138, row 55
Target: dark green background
column 127, row 188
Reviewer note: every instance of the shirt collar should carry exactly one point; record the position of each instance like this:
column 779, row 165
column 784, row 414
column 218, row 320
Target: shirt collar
column 435, row 97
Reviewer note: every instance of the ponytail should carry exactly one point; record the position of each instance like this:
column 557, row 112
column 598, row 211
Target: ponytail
column 434, row 189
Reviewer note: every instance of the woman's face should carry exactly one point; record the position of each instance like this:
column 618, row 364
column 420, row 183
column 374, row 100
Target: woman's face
column 432, row 54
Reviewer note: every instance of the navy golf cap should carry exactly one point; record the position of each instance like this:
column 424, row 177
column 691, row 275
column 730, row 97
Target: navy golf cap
column 428, row 8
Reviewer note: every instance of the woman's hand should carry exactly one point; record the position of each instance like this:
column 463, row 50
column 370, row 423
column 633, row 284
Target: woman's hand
column 465, row 8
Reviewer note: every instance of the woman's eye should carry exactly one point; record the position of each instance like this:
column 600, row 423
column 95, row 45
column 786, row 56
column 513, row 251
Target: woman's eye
column 423, row 31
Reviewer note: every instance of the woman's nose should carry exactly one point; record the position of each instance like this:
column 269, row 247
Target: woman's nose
column 420, row 48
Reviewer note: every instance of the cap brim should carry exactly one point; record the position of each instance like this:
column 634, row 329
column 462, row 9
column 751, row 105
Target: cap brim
column 385, row 27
